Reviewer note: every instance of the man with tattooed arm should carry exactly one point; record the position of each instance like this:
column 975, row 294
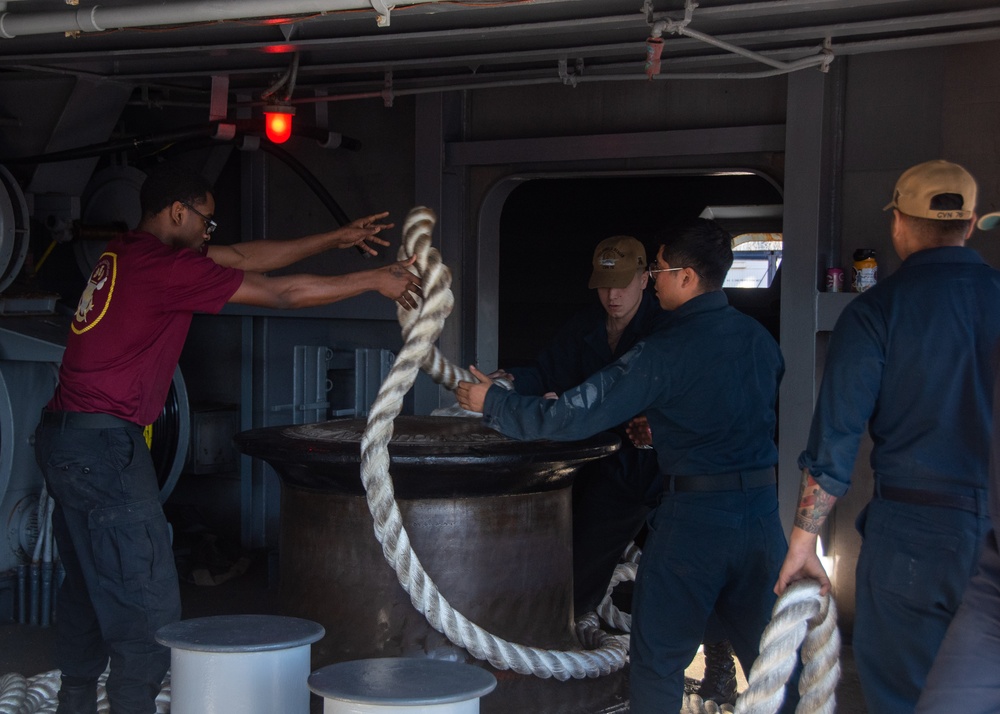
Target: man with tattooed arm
column 912, row 358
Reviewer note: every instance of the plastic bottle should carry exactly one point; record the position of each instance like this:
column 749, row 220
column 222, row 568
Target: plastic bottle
column 865, row 270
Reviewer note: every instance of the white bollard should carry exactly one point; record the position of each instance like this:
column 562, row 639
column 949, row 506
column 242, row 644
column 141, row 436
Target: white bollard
column 252, row 664
column 401, row 685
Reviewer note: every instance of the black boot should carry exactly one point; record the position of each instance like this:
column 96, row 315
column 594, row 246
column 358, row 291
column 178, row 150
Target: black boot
column 77, row 695
column 719, row 683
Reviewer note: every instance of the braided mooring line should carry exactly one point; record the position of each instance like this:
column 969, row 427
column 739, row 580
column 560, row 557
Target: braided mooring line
column 801, row 613
column 421, row 327
column 39, row 694
column 607, row 609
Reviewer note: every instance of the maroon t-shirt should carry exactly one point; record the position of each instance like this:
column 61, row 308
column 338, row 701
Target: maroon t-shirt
column 131, row 323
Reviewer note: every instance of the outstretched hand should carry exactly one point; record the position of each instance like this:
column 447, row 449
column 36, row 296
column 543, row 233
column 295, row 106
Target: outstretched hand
column 362, row 231
column 400, row 284
column 472, row 395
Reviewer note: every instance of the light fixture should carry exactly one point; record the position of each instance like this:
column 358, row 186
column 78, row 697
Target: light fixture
column 278, row 122
column 278, row 111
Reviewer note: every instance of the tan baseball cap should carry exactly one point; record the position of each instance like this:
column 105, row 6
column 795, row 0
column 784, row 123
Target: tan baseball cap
column 989, row 221
column 616, row 261
column 917, row 188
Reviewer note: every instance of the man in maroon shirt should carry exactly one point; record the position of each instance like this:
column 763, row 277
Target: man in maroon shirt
column 125, row 340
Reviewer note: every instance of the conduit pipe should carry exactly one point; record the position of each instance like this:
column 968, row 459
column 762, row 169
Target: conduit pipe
column 99, row 18
column 681, row 27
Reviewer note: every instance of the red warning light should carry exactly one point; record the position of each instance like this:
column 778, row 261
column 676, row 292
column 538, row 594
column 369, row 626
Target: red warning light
column 278, row 122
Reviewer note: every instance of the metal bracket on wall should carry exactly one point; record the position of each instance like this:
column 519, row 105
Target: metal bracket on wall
column 310, row 385
column 322, row 377
column 365, row 370
column 383, row 10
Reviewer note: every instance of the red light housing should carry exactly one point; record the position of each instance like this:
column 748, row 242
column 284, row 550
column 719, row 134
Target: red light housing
column 278, row 122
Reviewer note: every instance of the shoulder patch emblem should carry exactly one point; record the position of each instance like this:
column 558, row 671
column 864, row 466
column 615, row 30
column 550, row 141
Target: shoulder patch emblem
column 97, row 295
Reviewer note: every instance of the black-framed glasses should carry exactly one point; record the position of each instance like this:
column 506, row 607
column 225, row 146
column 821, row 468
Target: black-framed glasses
column 210, row 225
column 653, row 270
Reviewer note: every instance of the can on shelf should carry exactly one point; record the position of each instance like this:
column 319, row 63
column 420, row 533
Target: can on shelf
column 834, row 280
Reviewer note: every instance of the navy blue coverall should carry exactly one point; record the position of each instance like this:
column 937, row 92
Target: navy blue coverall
column 912, row 358
column 707, row 381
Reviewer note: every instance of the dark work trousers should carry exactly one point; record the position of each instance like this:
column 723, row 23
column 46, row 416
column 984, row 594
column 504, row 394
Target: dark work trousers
column 121, row 582
column 611, row 501
column 913, row 568
column 704, row 550
column 964, row 675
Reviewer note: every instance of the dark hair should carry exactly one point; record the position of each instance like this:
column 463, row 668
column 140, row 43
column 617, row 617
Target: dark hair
column 704, row 246
column 934, row 232
column 171, row 182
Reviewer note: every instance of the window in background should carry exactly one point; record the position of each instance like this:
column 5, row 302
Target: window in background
column 756, row 257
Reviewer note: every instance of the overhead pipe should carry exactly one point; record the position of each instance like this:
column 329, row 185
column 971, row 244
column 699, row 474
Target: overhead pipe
column 681, row 27
column 99, row 18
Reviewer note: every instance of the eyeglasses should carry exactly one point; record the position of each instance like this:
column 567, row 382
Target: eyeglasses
column 210, row 225
column 653, row 270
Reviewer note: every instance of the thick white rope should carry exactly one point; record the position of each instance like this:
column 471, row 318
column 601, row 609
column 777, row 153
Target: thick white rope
column 800, row 614
column 421, row 327
column 39, row 694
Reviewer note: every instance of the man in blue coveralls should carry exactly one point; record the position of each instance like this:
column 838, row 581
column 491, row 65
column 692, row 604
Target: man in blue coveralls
column 911, row 357
column 707, row 382
column 613, row 496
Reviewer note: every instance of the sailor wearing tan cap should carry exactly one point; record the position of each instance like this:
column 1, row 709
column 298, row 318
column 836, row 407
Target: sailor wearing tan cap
column 911, row 358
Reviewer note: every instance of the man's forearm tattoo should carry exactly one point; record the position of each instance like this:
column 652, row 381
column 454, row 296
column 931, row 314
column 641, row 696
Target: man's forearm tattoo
column 814, row 505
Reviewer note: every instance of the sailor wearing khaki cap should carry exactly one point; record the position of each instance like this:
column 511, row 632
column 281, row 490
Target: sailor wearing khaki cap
column 911, row 358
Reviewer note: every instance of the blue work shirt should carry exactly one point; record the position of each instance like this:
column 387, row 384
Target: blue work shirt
column 912, row 357
column 707, row 380
column 581, row 348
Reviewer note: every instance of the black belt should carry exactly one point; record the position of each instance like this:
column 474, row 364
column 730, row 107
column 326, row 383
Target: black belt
column 734, row 481
column 919, row 497
column 84, row 420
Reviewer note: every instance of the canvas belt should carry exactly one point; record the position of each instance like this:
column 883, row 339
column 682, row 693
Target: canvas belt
column 733, row 481
column 920, row 497
column 84, row 420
